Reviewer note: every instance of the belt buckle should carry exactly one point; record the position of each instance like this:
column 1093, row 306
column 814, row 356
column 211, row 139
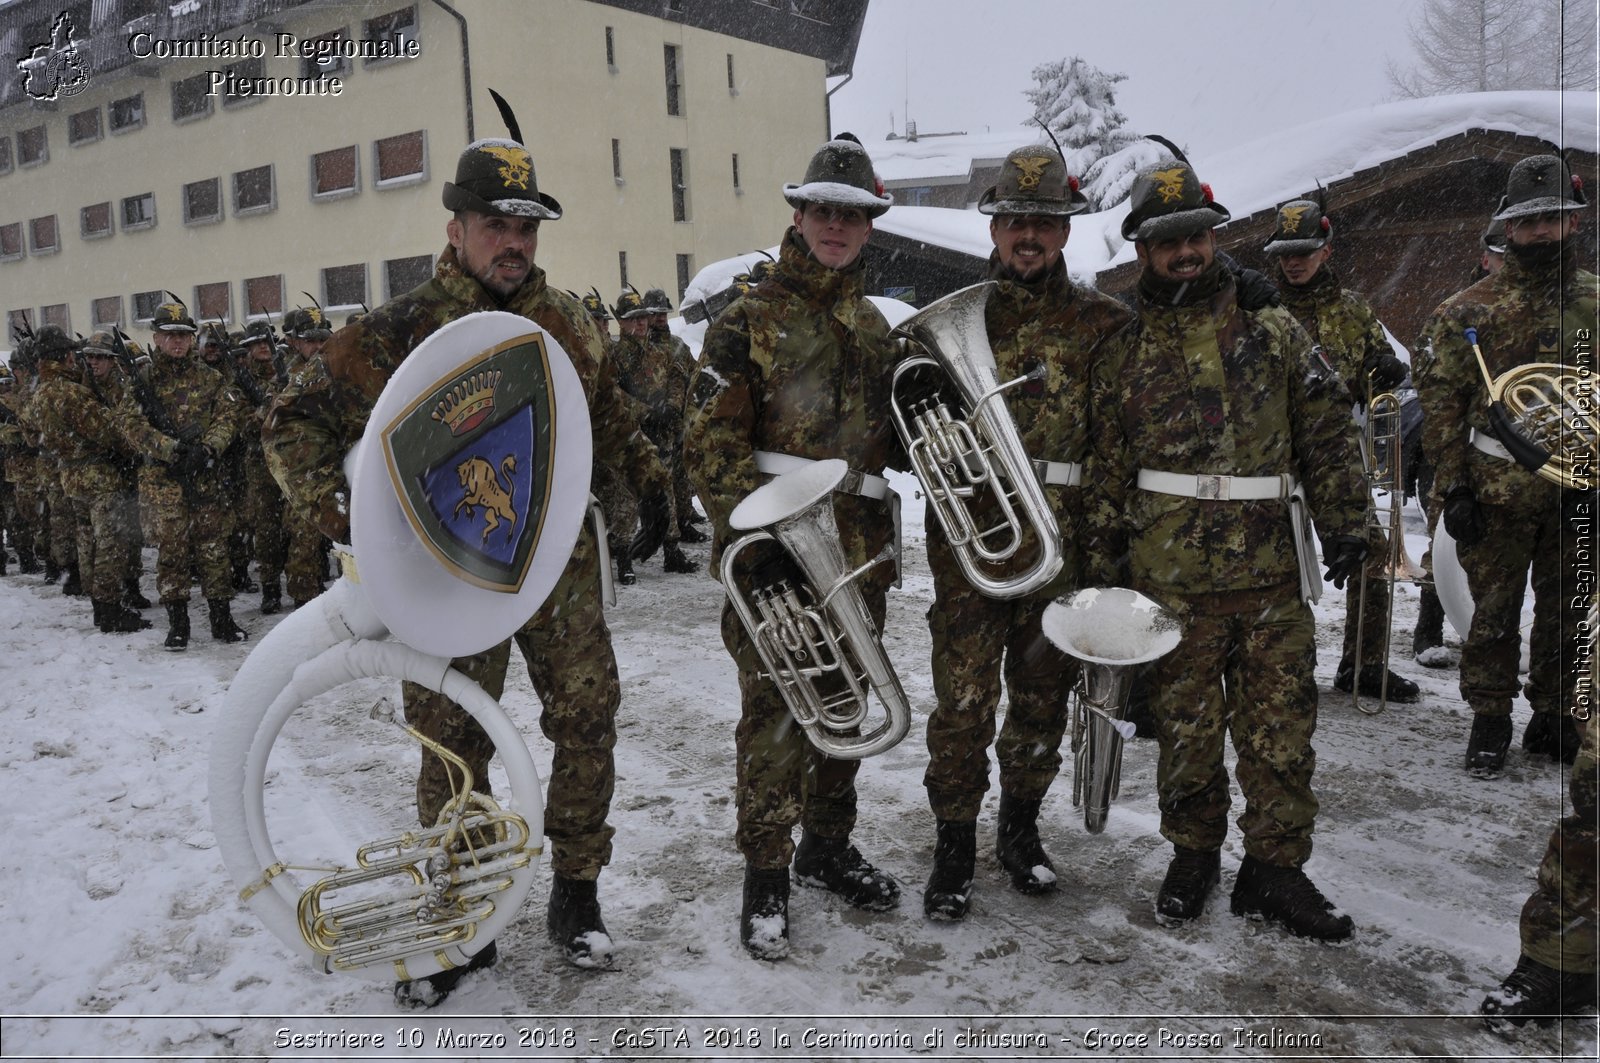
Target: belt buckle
column 1212, row 488
column 852, row 483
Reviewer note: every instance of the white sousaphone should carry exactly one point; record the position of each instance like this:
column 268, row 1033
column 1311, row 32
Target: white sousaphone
column 466, row 501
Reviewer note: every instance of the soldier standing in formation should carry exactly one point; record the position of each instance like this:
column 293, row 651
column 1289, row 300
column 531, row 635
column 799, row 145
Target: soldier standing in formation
column 1035, row 318
column 489, row 265
column 659, row 388
column 263, row 507
column 16, row 451
column 1342, row 323
column 681, row 359
column 794, row 372
column 1505, row 519
column 305, row 332
column 1203, row 413
column 609, row 486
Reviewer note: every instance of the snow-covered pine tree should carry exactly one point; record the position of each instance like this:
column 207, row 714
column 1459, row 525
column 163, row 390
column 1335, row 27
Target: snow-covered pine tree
column 1077, row 101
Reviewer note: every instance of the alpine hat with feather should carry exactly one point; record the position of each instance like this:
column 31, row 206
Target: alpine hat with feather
column 495, row 176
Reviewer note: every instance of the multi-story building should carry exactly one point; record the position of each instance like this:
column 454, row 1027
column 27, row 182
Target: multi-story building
column 240, row 153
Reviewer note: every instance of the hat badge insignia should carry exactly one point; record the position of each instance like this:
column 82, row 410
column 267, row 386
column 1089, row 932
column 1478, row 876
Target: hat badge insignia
column 1292, row 217
column 1169, row 184
column 516, row 166
column 1032, row 167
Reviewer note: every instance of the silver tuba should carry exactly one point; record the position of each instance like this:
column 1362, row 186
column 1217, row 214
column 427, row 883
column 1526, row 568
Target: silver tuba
column 975, row 449
column 1111, row 630
column 817, row 642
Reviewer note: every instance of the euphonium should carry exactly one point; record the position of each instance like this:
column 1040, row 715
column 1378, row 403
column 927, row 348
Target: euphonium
column 817, row 641
column 975, row 451
column 1544, row 415
column 1111, row 630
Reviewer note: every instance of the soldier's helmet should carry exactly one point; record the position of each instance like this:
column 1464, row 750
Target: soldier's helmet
column 53, row 344
column 1540, row 184
column 495, row 176
column 1170, row 200
column 256, row 332
column 306, row 323
column 1034, row 180
column 596, row 307
column 172, row 317
column 656, row 302
column 1493, row 239
column 213, row 337
column 351, row 319
column 1302, row 228
column 100, row 345
column 840, row 174
column 629, row 305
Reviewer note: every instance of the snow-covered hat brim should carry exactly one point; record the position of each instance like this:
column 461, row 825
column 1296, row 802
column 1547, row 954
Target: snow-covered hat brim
column 837, row 194
column 1542, row 205
column 1176, row 224
column 1053, row 208
column 545, row 208
column 1295, row 247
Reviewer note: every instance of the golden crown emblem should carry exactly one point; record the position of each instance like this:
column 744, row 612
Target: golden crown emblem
column 465, row 405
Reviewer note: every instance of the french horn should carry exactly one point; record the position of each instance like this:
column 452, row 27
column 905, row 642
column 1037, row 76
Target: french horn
column 1544, row 415
column 817, row 641
column 973, row 451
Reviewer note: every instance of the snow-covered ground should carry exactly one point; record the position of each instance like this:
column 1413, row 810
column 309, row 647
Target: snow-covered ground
column 124, row 936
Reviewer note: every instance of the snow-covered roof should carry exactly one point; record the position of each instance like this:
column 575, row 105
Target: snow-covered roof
column 941, row 158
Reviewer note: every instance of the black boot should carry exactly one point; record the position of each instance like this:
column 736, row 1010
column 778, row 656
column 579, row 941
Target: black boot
column 672, row 560
column 1190, row 877
column 1535, row 993
column 1552, row 734
column 948, row 895
column 223, row 629
column 114, row 618
column 1401, row 690
column 271, row 598
column 1429, row 634
column 1018, row 847
column 72, row 586
column 52, row 571
column 573, row 920
column 1285, row 896
column 835, row 865
column 1487, row 745
column 430, row 991
column 242, row 581
column 625, row 574
column 131, row 596
column 27, row 563
column 688, row 533
column 764, row 919
column 177, row 625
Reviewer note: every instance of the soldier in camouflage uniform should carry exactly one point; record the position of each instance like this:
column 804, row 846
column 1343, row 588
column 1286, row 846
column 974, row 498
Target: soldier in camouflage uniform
column 198, row 413
column 659, row 385
column 79, row 425
column 306, row 332
column 681, row 359
column 214, row 351
column 798, row 371
column 263, row 509
column 1035, row 318
column 1204, row 414
column 28, row 533
column 488, row 265
column 109, row 384
column 1505, row 519
column 608, row 485
column 13, row 455
column 57, row 541
column 1342, row 323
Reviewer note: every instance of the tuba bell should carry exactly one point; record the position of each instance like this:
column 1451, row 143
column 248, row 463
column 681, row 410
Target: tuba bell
column 816, row 641
column 974, row 451
column 1111, row 630
column 1544, row 415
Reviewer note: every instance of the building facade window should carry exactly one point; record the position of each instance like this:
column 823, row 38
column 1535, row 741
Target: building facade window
column 94, row 221
column 5, row 155
column 400, row 275
column 680, row 184
column 685, row 274
column 263, row 295
column 398, row 27
column 243, row 74
column 106, row 313
column 254, row 191
column 57, row 314
column 44, row 236
column 334, row 174
column 33, row 147
column 344, row 285
column 126, row 114
column 616, row 160
column 139, row 212
column 11, row 241
column 83, row 127
column 144, row 305
column 733, row 86
column 19, row 322
column 189, row 99
column 737, row 187
column 137, row 9
column 622, row 268
column 401, row 160
column 674, row 61
column 213, row 302
column 331, row 62
column 202, row 201
column 611, row 50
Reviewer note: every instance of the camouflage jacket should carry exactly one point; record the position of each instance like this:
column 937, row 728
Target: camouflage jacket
column 1340, row 321
column 79, row 426
column 1208, row 388
column 323, row 410
column 13, row 439
column 200, row 404
column 1521, row 317
column 656, row 374
column 1052, row 323
column 799, row 366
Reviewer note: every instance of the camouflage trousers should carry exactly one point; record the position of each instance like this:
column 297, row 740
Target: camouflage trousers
column 62, row 518
column 1559, row 921
column 303, row 566
column 977, row 641
column 107, row 526
column 621, row 509
column 185, row 533
column 1497, row 569
column 264, row 516
column 28, row 533
column 1373, row 616
column 669, row 447
column 682, row 493
column 783, row 779
column 567, row 647
column 1244, row 671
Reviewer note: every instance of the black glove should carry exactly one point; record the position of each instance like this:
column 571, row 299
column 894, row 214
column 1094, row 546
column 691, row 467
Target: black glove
column 653, row 515
column 1344, row 555
column 187, row 461
column 1253, row 290
column 1463, row 517
column 1384, row 370
column 774, row 567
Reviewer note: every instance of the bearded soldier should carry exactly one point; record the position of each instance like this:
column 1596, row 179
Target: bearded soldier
column 1506, row 520
column 1205, row 416
column 497, row 210
column 794, row 372
column 1035, row 318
